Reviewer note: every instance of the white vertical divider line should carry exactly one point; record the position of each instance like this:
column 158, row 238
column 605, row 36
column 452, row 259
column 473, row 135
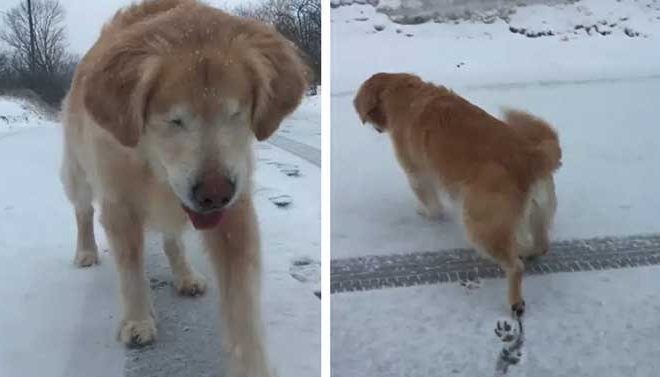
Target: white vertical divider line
column 325, row 187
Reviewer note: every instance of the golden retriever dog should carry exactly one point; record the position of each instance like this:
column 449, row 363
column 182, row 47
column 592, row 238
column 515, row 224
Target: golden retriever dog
column 158, row 132
column 496, row 174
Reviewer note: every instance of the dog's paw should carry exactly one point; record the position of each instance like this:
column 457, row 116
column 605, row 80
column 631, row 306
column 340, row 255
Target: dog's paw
column 135, row 334
column 86, row 258
column 191, row 285
column 427, row 213
column 422, row 210
column 518, row 309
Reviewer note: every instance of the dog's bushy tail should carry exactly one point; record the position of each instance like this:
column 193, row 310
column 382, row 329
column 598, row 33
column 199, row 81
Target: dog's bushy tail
column 540, row 134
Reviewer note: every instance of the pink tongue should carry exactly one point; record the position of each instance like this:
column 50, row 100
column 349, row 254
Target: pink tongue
column 204, row 220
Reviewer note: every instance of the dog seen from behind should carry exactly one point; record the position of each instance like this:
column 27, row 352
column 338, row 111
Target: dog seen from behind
column 497, row 175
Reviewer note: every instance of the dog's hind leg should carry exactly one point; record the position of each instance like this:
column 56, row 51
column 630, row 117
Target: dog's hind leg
column 542, row 208
column 234, row 250
column 490, row 219
column 502, row 248
column 187, row 281
column 79, row 193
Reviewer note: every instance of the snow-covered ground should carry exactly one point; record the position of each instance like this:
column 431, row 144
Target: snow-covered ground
column 304, row 125
column 600, row 92
column 478, row 54
column 18, row 114
column 592, row 324
column 60, row 321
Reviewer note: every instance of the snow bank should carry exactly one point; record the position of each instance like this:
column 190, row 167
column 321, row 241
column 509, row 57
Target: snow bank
column 339, row 3
column 420, row 11
column 16, row 114
column 591, row 39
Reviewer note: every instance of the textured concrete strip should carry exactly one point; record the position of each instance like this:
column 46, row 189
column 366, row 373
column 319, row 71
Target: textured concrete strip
column 304, row 151
column 377, row 272
column 188, row 342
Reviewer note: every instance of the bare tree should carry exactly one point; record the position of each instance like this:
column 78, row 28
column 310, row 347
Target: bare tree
column 298, row 20
column 5, row 67
column 49, row 49
column 37, row 58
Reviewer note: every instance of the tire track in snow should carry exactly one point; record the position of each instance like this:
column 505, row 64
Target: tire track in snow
column 464, row 265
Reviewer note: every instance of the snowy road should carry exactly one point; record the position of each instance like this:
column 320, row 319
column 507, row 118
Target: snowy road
column 62, row 321
column 591, row 324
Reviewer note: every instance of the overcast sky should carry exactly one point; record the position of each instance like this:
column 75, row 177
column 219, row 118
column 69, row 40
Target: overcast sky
column 84, row 18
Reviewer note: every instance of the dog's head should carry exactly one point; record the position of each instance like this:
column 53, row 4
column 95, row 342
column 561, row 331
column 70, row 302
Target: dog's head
column 369, row 101
column 192, row 92
column 373, row 95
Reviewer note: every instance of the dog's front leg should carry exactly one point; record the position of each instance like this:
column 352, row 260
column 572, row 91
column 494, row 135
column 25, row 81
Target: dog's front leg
column 125, row 232
column 428, row 204
column 234, row 250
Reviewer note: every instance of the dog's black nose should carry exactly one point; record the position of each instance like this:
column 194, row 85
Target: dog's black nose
column 213, row 192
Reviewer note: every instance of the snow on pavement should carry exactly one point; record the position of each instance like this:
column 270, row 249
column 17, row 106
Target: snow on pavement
column 591, row 324
column 63, row 320
column 59, row 319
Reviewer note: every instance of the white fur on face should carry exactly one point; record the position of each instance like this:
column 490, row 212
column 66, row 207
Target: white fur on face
column 181, row 152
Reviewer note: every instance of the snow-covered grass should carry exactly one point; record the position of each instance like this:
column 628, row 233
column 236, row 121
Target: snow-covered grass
column 57, row 320
column 17, row 114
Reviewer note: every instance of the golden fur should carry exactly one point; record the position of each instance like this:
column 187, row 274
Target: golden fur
column 169, row 100
column 497, row 173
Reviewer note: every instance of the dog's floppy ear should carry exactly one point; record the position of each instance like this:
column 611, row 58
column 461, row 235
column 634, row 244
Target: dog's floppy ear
column 116, row 91
column 280, row 80
column 367, row 103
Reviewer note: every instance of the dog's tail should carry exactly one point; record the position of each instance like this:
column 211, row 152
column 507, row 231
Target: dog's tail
column 541, row 135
